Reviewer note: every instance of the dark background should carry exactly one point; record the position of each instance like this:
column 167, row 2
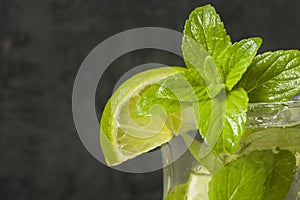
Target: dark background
column 42, row 44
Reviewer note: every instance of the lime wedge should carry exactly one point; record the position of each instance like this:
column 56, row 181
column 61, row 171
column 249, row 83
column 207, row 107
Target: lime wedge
column 198, row 187
column 123, row 137
column 195, row 188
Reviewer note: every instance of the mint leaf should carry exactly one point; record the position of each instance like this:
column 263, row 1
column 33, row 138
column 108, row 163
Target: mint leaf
column 242, row 179
column 194, row 53
column 171, row 94
column 179, row 91
column 150, row 105
column 257, row 175
column 279, row 172
column 272, row 138
column 210, row 116
column 205, row 27
column 235, row 120
column 222, row 121
column 204, row 66
column 187, row 85
column 203, row 41
column 273, row 76
column 236, row 59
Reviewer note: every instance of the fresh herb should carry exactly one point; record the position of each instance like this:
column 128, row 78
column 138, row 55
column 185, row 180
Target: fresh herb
column 255, row 176
column 236, row 59
column 221, row 119
column 273, row 76
column 280, row 166
column 242, row 179
column 271, row 138
column 205, row 27
column 150, row 104
column 219, row 81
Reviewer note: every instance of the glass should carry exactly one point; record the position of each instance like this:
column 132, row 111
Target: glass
column 267, row 120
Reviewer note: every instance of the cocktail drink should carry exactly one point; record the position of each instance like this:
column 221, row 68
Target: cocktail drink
column 234, row 110
column 272, row 140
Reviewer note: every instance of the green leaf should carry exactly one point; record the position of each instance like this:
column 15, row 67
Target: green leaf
column 242, row 179
column 272, row 138
column 205, row 27
column 185, row 86
column 279, row 172
column 235, row 120
column 210, row 116
column 171, row 94
column 273, row 76
column 205, row 74
column 178, row 91
column 236, row 59
column 205, row 36
column 203, row 42
column 259, row 175
column 221, row 120
column 150, row 105
column 189, row 85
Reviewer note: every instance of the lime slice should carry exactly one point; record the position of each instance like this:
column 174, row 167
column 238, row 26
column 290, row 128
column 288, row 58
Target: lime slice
column 198, row 187
column 123, row 137
column 194, row 189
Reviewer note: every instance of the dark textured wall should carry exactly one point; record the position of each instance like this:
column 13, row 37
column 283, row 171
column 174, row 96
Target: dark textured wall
column 42, row 44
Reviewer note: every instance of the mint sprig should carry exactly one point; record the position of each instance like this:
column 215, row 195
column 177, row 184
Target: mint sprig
column 220, row 79
column 207, row 48
column 215, row 66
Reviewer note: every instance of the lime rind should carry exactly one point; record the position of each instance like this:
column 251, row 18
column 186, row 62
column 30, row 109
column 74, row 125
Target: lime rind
column 112, row 150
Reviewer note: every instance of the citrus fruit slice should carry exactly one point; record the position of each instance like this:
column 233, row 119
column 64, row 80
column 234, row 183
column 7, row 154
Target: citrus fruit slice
column 122, row 136
column 198, row 187
column 194, row 189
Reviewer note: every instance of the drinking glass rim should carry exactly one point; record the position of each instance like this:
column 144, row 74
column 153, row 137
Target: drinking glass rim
column 273, row 114
column 292, row 103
